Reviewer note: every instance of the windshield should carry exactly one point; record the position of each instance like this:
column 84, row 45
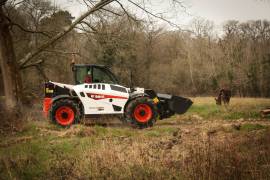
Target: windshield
column 102, row 75
column 89, row 74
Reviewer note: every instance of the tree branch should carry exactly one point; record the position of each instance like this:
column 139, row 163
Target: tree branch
column 37, row 65
column 15, row 3
column 84, row 30
column 158, row 17
column 90, row 26
column 62, row 52
column 32, row 64
column 105, row 9
column 110, row 11
column 30, row 31
column 95, row 8
column 125, row 11
column 11, row 23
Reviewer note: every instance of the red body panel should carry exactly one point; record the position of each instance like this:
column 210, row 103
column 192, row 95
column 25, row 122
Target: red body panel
column 47, row 103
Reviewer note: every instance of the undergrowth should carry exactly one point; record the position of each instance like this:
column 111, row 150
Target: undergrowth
column 182, row 147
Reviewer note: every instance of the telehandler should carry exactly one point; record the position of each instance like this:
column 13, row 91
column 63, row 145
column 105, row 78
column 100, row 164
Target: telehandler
column 97, row 92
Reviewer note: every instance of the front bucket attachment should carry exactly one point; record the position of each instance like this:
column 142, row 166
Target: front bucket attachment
column 179, row 104
column 171, row 104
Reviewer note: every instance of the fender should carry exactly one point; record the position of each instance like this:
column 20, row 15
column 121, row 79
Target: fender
column 134, row 96
column 59, row 97
column 56, row 98
column 49, row 100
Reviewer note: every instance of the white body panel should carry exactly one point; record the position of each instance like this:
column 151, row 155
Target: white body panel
column 63, row 85
column 99, row 98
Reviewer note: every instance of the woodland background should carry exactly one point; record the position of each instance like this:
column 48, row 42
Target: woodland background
column 195, row 63
column 207, row 142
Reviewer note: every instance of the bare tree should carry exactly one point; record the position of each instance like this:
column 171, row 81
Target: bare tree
column 10, row 67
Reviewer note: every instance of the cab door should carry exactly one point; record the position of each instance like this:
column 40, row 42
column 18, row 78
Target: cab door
column 113, row 97
column 103, row 75
column 103, row 96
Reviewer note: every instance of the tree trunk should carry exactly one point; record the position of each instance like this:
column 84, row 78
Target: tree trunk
column 10, row 72
column 9, row 66
column 194, row 89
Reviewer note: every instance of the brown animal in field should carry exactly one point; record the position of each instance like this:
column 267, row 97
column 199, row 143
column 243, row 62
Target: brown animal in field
column 265, row 112
column 224, row 97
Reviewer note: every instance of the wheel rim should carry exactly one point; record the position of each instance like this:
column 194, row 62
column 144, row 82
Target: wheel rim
column 143, row 113
column 64, row 115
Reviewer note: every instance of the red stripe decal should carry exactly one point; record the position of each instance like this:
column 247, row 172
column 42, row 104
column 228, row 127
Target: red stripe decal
column 104, row 96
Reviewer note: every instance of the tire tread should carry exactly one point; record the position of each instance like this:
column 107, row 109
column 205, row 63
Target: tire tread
column 130, row 108
column 65, row 102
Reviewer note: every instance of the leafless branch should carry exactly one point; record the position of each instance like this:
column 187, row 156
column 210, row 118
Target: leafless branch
column 15, row 3
column 11, row 23
column 90, row 26
column 180, row 3
column 110, row 11
column 29, row 31
column 62, row 52
column 95, row 8
column 84, row 30
column 32, row 64
column 104, row 9
column 158, row 17
column 127, row 13
column 37, row 65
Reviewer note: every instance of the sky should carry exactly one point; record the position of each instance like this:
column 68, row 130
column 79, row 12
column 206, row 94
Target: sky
column 222, row 10
column 218, row 11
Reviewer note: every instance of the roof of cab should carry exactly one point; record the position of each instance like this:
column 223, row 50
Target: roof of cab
column 95, row 65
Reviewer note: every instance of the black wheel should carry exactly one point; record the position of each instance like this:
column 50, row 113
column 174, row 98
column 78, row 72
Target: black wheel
column 65, row 112
column 141, row 112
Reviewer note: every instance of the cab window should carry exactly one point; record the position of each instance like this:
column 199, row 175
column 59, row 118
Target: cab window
column 83, row 75
column 101, row 75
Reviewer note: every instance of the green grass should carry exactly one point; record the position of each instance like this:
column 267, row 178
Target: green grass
column 47, row 147
column 42, row 150
column 27, row 159
column 246, row 108
column 35, row 158
column 205, row 111
column 253, row 127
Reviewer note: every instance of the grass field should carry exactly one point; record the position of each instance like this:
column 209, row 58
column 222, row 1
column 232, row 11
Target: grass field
column 208, row 142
